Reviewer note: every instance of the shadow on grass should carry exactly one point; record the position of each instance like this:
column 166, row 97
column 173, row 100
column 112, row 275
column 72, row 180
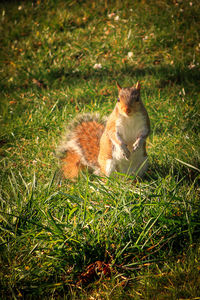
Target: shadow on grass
column 178, row 171
column 167, row 76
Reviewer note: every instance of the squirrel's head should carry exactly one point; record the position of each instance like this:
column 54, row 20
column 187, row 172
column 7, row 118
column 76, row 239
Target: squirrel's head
column 129, row 99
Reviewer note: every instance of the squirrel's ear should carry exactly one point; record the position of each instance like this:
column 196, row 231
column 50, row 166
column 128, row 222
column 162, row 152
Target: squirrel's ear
column 118, row 86
column 138, row 86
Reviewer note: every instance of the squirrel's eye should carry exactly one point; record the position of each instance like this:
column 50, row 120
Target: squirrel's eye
column 118, row 99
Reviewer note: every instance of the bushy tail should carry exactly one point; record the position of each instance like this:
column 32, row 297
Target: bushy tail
column 80, row 145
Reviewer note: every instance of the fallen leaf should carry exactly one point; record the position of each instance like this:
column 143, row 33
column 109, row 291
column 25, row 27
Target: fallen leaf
column 156, row 62
column 39, row 83
column 94, row 272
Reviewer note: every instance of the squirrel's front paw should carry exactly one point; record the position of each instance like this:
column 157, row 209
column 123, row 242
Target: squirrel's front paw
column 126, row 152
column 137, row 144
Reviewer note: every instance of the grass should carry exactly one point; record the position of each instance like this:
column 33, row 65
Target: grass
column 146, row 232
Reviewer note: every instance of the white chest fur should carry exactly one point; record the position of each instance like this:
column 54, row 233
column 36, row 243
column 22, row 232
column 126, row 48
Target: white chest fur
column 129, row 128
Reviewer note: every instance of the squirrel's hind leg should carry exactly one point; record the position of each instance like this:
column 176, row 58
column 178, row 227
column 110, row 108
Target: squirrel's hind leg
column 107, row 166
column 71, row 164
column 110, row 166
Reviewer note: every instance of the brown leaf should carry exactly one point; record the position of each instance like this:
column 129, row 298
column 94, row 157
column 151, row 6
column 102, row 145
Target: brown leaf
column 156, row 62
column 94, row 272
column 39, row 83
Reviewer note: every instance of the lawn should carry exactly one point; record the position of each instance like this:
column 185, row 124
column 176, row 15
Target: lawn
column 122, row 238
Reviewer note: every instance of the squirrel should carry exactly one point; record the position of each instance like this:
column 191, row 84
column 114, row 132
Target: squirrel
column 117, row 143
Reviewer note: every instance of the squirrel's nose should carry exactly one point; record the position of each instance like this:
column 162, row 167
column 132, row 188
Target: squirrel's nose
column 127, row 110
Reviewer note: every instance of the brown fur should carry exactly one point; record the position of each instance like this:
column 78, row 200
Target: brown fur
column 105, row 153
column 71, row 164
column 80, row 145
column 89, row 133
